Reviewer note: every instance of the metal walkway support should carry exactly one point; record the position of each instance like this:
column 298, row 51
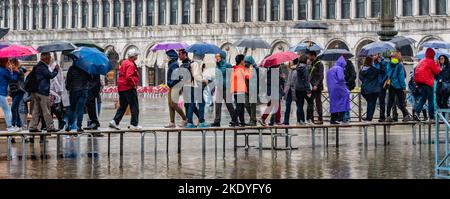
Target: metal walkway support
column 442, row 167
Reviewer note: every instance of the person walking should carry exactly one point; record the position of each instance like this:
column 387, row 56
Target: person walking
column 424, row 79
column 350, row 81
column 338, row 91
column 239, row 88
column 77, row 83
column 273, row 107
column 316, row 74
column 443, row 86
column 251, row 97
column 92, row 102
column 17, row 91
column 39, row 81
column 7, row 74
column 127, row 84
column 370, row 86
column 174, row 91
column 57, row 90
column 380, row 64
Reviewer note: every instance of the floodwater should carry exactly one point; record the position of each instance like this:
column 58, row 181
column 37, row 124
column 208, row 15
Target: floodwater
column 400, row 159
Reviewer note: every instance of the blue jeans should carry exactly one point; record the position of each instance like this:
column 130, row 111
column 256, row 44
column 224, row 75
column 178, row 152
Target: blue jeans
column 77, row 103
column 426, row 94
column 191, row 107
column 346, row 116
column 16, row 100
column 6, row 111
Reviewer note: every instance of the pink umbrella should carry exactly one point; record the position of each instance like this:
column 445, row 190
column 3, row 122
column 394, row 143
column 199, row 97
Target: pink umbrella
column 169, row 46
column 278, row 58
column 16, row 51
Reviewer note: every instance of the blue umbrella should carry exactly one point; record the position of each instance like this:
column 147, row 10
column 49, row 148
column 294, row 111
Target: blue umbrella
column 91, row 60
column 203, row 48
column 375, row 48
column 436, row 44
column 421, row 54
column 303, row 47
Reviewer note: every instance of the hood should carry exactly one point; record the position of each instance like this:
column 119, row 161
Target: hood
column 430, row 53
column 173, row 55
column 250, row 60
column 341, row 62
column 223, row 55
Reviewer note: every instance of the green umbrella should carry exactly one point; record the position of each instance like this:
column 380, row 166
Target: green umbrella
column 88, row 44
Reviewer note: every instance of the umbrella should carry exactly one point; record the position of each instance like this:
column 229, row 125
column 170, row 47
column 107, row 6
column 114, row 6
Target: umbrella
column 421, row 54
column 4, row 44
column 303, row 47
column 89, row 44
column 16, row 51
column 278, row 58
column 91, row 60
column 310, row 25
column 252, row 43
column 334, row 54
column 203, row 48
column 436, row 44
column 56, row 47
column 169, row 46
column 401, row 41
column 375, row 48
column 3, row 32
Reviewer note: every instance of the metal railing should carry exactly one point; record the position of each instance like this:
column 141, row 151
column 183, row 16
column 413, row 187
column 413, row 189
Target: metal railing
column 442, row 167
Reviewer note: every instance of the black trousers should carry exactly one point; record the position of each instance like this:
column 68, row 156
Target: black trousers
column 382, row 102
column 91, row 106
column 337, row 116
column 128, row 97
column 396, row 93
column 251, row 108
column 316, row 97
column 218, row 109
column 240, row 108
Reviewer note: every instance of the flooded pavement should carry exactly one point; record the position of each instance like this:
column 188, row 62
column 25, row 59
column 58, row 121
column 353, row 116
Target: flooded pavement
column 400, row 159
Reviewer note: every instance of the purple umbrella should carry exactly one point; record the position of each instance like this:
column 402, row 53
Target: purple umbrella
column 4, row 45
column 169, row 46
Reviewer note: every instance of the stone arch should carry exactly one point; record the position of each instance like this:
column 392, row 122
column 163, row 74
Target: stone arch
column 279, row 46
column 114, row 58
column 358, row 61
column 231, row 51
column 153, row 66
column 127, row 48
column 428, row 38
column 337, row 44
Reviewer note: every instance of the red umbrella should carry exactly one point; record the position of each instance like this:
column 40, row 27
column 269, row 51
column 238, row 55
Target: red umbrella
column 278, row 58
column 15, row 51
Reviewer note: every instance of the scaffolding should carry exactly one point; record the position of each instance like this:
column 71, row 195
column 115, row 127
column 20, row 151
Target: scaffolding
column 442, row 167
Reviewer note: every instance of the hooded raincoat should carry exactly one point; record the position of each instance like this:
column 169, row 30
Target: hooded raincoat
column 337, row 88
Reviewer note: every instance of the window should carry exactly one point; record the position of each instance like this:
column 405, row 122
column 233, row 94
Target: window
column 65, row 15
column 95, row 11
column 116, row 10
column 44, row 21
column 162, row 12
column 407, row 7
column 331, row 9
column 106, row 8
column 303, row 7
column 248, row 10
column 6, row 13
column 139, row 13
column 345, row 9
column 223, row 11
column 235, row 10
column 185, row 9
column 55, row 14
column 173, row 11
column 150, row 12
column 424, row 7
column 360, row 9
column 275, row 10
column 26, row 15
column 74, row 14
column 441, row 7
column 316, row 9
column 198, row 11
column 209, row 11
column 127, row 16
column 16, row 15
column 261, row 10
column 288, row 9
column 376, row 8
column 84, row 14
column 35, row 14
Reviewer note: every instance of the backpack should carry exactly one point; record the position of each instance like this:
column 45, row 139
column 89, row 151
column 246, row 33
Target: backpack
column 30, row 82
column 350, row 75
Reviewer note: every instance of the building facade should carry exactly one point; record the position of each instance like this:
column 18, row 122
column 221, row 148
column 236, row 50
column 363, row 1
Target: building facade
column 121, row 25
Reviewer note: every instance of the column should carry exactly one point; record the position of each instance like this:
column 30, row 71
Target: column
column 50, row 14
column 30, row 16
column 448, row 8
column 69, row 18
column 353, row 9
column 216, row 11
column 167, row 12
column 91, row 14
column 20, row 15
column 369, row 9
column 323, row 9
column 39, row 23
column 338, row 9
column 156, row 12
column 242, row 10
column 60, row 14
column 295, row 10
column 229, row 11
column 111, row 13
column 11, row 13
column 122, row 14
column 416, row 8
column 400, row 8
column 192, row 12
column 100, row 14
column 281, row 12
column 310, row 9
column 80, row 14
column 432, row 7
column 268, row 14
column 133, row 13
column 204, row 11
column 144, row 13
column 180, row 12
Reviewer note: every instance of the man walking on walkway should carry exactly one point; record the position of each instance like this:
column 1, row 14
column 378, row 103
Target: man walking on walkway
column 316, row 79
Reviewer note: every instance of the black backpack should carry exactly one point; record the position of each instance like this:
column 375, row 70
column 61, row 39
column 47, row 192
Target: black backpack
column 30, row 82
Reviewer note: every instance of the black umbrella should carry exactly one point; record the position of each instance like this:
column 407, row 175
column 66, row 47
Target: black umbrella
column 56, row 47
column 310, row 25
column 3, row 32
column 401, row 41
column 88, row 44
column 252, row 43
column 334, row 54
